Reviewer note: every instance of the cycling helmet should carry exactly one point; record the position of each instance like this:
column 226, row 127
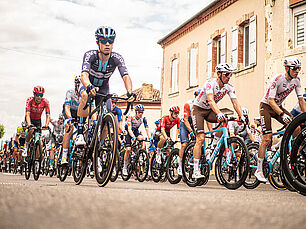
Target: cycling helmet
column 174, row 108
column 105, row 32
column 23, row 124
column 139, row 107
column 292, row 62
column 116, row 97
column 224, row 67
column 77, row 80
column 61, row 116
column 38, row 89
column 157, row 121
column 197, row 92
column 245, row 111
column 304, row 96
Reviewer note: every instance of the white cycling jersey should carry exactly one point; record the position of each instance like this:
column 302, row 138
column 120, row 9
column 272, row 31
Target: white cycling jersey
column 235, row 127
column 280, row 88
column 211, row 86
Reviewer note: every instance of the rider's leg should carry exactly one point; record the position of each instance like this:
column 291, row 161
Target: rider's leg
column 27, row 141
column 66, row 140
column 82, row 114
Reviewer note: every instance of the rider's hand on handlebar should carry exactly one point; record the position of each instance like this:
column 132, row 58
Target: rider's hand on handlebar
column 91, row 89
column 191, row 133
column 131, row 97
column 286, row 118
column 220, row 117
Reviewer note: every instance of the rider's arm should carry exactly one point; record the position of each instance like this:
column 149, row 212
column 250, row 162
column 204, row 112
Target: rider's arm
column 85, row 79
column 213, row 104
column 67, row 110
column 163, row 132
column 48, row 118
column 145, row 123
column 274, row 106
column 251, row 137
column 129, row 125
column 127, row 83
column 28, row 118
column 186, row 115
column 302, row 104
column 237, row 106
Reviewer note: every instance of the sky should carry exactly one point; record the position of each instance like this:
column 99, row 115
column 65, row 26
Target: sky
column 42, row 42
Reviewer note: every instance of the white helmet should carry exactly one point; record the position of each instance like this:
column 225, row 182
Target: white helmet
column 292, row 61
column 224, row 67
column 245, row 111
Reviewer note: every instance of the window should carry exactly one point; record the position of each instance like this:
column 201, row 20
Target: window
column 219, row 51
column 299, row 28
column 249, row 42
column 209, row 59
column 235, row 47
column 193, row 53
column 174, row 73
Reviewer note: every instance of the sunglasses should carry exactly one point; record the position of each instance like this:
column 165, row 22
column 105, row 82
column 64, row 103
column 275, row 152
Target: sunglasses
column 176, row 112
column 39, row 94
column 140, row 112
column 295, row 68
column 227, row 74
column 105, row 40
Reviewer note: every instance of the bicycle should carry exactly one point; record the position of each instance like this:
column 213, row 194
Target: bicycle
column 159, row 163
column 34, row 158
column 101, row 145
column 293, row 160
column 232, row 164
column 119, row 158
column 139, row 162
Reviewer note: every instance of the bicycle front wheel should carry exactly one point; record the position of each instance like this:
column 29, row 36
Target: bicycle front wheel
column 37, row 161
column 251, row 181
column 142, row 165
column 105, row 148
column 172, row 166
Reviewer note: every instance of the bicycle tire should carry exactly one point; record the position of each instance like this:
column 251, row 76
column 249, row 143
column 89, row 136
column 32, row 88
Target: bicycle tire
column 251, row 181
column 37, row 162
column 156, row 170
column 172, row 165
column 275, row 179
column 63, row 172
column 218, row 178
column 79, row 166
column 286, row 168
column 116, row 169
column 142, row 159
column 242, row 167
column 187, row 168
column 106, row 151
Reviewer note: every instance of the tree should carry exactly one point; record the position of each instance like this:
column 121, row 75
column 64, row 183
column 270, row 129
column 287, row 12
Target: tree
column 2, row 131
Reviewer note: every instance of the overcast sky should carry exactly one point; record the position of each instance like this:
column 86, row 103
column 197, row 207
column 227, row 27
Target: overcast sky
column 42, row 42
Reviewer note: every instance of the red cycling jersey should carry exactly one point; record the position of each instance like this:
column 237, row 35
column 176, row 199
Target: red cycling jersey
column 37, row 109
column 167, row 124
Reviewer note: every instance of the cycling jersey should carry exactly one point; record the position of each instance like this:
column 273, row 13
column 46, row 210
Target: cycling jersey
column 136, row 123
column 211, row 86
column 72, row 99
column 117, row 112
column 58, row 129
column 37, row 109
column 237, row 129
column 279, row 88
column 187, row 111
column 167, row 124
column 21, row 132
column 99, row 74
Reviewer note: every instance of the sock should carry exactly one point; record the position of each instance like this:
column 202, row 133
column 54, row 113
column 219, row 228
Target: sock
column 180, row 162
column 124, row 164
column 81, row 125
column 196, row 165
column 65, row 152
column 51, row 162
column 259, row 164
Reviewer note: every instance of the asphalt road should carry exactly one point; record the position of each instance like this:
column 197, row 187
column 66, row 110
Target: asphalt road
column 49, row 203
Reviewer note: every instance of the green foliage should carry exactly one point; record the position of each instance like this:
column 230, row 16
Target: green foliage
column 2, row 131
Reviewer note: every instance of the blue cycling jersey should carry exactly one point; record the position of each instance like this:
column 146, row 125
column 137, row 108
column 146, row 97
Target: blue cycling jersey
column 117, row 112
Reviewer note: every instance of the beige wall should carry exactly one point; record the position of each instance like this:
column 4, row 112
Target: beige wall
column 274, row 32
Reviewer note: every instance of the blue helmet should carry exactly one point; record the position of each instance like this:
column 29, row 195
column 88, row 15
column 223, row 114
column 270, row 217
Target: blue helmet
column 139, row 107
column 157, row 121
column 197, row 91
column 105, row 32
column 304, row 96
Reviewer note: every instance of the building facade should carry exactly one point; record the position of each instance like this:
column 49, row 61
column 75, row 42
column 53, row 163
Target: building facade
column 254, row 36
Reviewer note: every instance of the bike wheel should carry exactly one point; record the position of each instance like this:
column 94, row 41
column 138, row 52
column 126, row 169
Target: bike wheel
column 142, row 165
column 234, row 170
column 27, row 167
column 251, row 181
column 172, row 166
column 275, row 179
column 156, row 168
column 187, row 166
column 63, row 172
column 37, row 161
column 79, row 165
column 218, row 178
column 116, row 169
column 105, row 149
column 289, row 156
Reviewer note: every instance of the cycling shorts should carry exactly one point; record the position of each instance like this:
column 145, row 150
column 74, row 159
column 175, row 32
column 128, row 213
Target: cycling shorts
column 128, row 139
column 184, row 133
column 266, row 113
column 199, row 114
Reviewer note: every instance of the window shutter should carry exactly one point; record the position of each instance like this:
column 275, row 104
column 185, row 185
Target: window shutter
column 209, row 59
column 252, row 40
column 174, row 76
column 300, row 29
column 235, row 47
column 223, row 48
column 193, row 67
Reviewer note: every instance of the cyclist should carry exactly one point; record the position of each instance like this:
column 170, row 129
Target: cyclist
column 271, row 105
column 57, row 137
column 236, row 128
column 34, row 107
column 98, row 66
column 163, row 130
column 257, row 130
column 205, row 108
column 70, row 108
column 186, row 129
column 20, row 138
column 132, row 128
column 297, row 109
column 118, row 113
